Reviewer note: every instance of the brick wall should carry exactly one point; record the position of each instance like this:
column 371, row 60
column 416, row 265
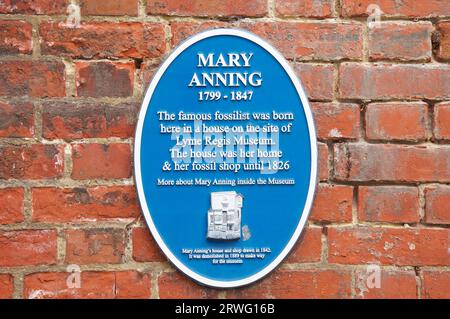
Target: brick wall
column 69, row 98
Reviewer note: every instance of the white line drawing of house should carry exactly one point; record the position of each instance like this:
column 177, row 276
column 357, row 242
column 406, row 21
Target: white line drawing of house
column 224, row 216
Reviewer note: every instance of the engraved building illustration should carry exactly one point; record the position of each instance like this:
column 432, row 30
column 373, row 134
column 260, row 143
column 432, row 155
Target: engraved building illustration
column 224, row 216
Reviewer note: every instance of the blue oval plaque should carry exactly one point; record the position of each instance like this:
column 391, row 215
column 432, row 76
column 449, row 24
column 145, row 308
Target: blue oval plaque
column 225, row 158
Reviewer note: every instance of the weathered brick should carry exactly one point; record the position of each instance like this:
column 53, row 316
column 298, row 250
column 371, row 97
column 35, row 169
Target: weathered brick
column 376, row 162
column 133, row 285
column 312, row 47
column 32, row 78
column 317, row 80
column 16, row 120
column 437, row 204
column 435, row 284
column 183, row 30
column 15, row 37
column 308, row 248
column 397, row 121
column 98, row 285
column 70, row 120
column 332, row 204
column 442, row 121
column 323, row 166
column 104, row 161
column 406, row 41
column 27, row 247
column 35, row 161
column 144, row 246
column 94, row 79
column 394, row 284
column 443, row 33
column 84, row 204
column 103, row 40
column 310, row 41
column 388, row 246
column 394, row 204
column 6, row 286
column 34, row 6
column 299, row 284
column 94, row 246
column 174, row 285
column 93, row 285
column 404, row 8
column 11, row 205
column 306, row 8
column 146, row 72
column 211, row 8
column 109, row 8
column 387, row 81
column 336, row 120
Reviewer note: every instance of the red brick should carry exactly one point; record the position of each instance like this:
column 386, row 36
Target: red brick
column 332, row 204
column 34, row 6
column 369, row 162
column 109, row 8
column 317, row 80
column 406, row 41
column 101, row 161
column 93, row 285
column 94, row 79
column 183, row 30
column 15, row 37
column 94, row 246
column 442, row 121
column 35, row 161
column 323, row 161
column 133, row 285
column 11, row 203
column 393, row 204
column 146, row 72
column 16, row 120
column 27, row 247
column 74, row 120
column 98, row 285
column 443, row 33
column 388, row 246
column 395, row 284
column 84, row 204
column 299, row 284
column 397, row 121
column 6, row 286
column 437, row 204
column 103, row 40
column 174, row 285
column 32, row 78
column 145, row 247
column 435, row 284
column 308, row 248
column 306, row 8
column 211, row 8
column 387, row 81
column 336, row 120
column 404, row 8
column 311, row 40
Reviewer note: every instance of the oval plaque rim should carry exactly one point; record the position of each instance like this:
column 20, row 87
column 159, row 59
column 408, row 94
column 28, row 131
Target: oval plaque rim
column 313, row 144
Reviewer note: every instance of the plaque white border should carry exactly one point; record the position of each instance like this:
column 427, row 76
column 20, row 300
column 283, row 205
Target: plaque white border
column 137, row 155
